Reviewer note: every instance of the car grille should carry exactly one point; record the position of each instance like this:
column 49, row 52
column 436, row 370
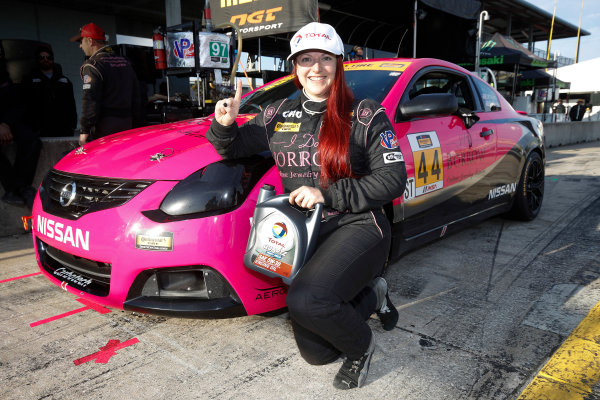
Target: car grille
column 81, row 273
column 91, row 193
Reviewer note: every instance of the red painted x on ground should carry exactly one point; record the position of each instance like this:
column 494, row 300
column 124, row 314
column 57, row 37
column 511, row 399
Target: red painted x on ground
column 106, row 352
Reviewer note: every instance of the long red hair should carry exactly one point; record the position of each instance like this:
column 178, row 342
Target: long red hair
column 334, row 137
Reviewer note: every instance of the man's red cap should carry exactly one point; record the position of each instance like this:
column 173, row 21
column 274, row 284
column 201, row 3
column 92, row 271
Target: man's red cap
column 90, row 30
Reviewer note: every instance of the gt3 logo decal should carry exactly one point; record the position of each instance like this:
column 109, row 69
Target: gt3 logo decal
column 388, row 140
column 427, row 160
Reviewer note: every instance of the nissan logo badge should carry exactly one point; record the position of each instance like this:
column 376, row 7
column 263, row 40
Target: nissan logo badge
column 67, row 194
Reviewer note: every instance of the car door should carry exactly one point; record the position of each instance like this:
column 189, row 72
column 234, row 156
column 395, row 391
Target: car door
column 445, row 158
column 503, row 176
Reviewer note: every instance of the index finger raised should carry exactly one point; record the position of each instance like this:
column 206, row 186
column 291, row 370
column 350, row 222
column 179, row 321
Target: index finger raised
column 238, row 91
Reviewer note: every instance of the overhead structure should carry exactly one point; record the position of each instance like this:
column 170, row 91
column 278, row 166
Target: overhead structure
column 266, row 17
column 504, row 53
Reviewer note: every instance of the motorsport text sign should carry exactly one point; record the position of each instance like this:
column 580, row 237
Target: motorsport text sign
column 264, row 17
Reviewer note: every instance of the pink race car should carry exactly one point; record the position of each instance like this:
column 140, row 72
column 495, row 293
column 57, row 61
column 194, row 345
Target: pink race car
column 153, row 220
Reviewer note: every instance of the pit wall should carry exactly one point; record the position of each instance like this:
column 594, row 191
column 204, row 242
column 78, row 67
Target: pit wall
column 555, row 135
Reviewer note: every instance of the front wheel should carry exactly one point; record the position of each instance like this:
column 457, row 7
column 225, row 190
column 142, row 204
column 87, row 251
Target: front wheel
column 530, row 192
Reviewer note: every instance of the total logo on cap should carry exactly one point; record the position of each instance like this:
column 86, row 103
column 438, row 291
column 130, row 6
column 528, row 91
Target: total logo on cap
column 316, row 36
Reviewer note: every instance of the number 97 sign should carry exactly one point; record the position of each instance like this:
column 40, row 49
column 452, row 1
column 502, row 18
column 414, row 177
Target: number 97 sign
column 214, row 50
column 427, row 160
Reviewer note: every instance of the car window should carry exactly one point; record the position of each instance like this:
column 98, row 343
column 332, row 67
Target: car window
column 372, row 84
column 444, row 82
column 489, row 98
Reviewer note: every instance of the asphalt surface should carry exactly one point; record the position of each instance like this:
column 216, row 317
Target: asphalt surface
column 482, row 314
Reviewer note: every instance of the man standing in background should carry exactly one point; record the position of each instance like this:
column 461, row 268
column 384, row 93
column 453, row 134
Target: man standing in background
column 111, row 97
column 50, row 96
column 577, row 111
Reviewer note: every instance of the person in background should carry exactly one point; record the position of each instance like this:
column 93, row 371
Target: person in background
column 560, row 111
column 111, row 97
column 50, row 96
column 577, row 111
column 353, row 172
column 16, row 178
column 356, row 53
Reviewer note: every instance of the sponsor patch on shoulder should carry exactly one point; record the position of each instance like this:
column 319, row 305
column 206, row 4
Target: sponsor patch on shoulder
column 86, row 86
column 87, row 79
column 388, row 140
column 392, row 157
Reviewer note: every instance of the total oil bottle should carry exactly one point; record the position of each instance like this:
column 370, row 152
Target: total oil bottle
column 282, row 237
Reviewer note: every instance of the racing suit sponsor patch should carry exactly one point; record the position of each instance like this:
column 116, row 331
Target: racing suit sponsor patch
column 388, row 140
column 87, row 79
column 392, row 157
column 287, row 127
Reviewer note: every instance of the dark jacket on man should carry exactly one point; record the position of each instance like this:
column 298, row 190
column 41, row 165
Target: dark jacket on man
column 577, row 111
column 51, row 102
column 111, row 97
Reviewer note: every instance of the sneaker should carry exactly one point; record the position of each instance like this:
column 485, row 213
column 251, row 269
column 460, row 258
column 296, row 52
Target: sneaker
column 387, row 313
column 353, row 373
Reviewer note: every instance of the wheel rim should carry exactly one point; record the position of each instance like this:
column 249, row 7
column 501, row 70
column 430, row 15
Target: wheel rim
column 534, row 190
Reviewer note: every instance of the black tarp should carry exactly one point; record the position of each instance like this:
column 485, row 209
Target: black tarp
column 538, row 78
column 504, row 53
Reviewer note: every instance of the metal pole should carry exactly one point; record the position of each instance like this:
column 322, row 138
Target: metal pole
column 482, row 16
column 415, row 30
column 551, row 30
column 578, row 34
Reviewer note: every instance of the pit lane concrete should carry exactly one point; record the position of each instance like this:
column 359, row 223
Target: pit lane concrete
column 497, row 311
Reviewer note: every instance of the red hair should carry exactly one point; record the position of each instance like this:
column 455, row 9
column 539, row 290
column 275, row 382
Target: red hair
column 334, row 137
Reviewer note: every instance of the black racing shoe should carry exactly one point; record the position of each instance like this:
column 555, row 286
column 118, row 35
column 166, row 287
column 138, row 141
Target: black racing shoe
column 387, row 313
column 353, row 373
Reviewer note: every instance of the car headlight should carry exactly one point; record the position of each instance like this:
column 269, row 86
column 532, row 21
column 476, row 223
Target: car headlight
column 218, row 188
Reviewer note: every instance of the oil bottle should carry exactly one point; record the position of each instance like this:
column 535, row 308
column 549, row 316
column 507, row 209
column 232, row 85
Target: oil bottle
column 282, row 237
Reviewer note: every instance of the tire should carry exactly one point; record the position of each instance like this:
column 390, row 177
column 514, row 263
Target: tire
column 530, row 191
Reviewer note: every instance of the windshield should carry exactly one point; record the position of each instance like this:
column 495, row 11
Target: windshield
column 373, row 84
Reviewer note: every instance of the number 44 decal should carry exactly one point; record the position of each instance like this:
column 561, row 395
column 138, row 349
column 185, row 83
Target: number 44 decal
column 427, row 158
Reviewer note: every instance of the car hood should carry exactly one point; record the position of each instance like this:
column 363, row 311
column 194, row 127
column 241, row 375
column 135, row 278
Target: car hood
column 159, row 152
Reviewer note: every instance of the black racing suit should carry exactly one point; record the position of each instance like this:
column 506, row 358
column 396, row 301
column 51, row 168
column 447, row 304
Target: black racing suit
column 51, row 102
column 327, row 301
column 111, row 96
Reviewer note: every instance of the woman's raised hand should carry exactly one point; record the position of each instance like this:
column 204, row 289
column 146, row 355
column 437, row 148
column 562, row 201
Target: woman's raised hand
column 226, row 110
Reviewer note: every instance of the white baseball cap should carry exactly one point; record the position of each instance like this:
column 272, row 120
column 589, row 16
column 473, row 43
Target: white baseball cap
column 316, row 36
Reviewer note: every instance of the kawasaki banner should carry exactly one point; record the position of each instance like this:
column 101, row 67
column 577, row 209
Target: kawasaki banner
column 264, row 17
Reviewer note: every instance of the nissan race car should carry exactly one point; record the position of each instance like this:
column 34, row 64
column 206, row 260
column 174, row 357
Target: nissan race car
column 153, row 220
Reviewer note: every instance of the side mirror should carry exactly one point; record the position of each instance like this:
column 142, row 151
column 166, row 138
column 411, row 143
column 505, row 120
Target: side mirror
column 429, row 104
